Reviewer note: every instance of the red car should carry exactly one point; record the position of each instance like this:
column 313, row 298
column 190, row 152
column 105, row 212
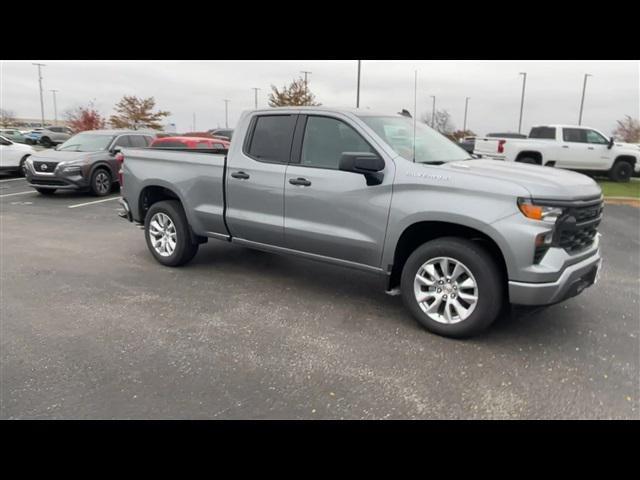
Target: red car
column 191, row 142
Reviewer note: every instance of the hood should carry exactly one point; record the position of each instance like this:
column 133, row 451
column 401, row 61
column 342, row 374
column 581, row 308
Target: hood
column 57, row 156
column 631, row 146
column 541, row 182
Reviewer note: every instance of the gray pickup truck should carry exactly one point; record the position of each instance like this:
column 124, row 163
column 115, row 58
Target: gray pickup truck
column 459, row 238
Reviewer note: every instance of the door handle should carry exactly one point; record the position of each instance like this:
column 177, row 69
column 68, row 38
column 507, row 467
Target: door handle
column 565, row 146
column 240, row 175
column 300, row 181
column 590, row 148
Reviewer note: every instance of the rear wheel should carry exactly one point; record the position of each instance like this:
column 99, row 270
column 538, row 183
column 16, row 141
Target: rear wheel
column 46, row 191
column 621, row 171
column 168, row 235
column 46, row 142
column 453, row 287
column 101, row 182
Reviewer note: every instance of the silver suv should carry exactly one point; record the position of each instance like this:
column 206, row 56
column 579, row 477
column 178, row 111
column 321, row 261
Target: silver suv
column 51, row 136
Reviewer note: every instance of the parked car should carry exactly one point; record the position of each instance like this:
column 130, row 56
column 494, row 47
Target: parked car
column 226, row 133
column 13, row 134
column 51, row 136
column 468, row 143
column 571, row 147
column 33, row 137
column 199, row 143
column 459, row 237
column 87, row 161
column 13, row 155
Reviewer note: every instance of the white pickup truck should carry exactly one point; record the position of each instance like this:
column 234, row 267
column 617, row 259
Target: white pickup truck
column 565, row 146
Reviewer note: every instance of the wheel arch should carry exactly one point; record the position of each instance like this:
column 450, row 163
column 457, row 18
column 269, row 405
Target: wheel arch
column 420, row 232
column 530, row 153
column 626, row 158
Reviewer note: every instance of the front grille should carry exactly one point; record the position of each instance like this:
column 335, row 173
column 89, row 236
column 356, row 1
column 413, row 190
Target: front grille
column 576, row 230
column 40, row 166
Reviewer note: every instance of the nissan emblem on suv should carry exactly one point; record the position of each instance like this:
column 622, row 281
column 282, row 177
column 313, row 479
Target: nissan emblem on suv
column 43, row 166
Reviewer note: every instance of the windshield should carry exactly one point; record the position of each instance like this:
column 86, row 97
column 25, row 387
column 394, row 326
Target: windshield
column 86, row 142
column 430, row 146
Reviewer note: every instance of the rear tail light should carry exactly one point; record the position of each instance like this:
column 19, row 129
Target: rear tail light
column 501, row 146
column 119, row 163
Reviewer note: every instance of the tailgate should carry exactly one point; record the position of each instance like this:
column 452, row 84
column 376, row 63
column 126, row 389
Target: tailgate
column 488, row 147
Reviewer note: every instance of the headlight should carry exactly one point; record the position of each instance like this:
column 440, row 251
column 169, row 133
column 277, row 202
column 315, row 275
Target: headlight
column 544, row 213
column 71, row 170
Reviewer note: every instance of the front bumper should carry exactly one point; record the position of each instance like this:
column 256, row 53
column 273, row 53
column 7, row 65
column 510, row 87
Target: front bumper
column 573, row 280
column 55, row 180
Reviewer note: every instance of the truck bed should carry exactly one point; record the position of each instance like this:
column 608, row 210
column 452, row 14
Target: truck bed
column 196, row 176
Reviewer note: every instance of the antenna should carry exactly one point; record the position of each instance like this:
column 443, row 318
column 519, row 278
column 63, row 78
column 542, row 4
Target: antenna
column 415, row 106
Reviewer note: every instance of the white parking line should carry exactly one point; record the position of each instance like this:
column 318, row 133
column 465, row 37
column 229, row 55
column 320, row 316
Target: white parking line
column 11, row 180
column 19, row 193
column 91, row 203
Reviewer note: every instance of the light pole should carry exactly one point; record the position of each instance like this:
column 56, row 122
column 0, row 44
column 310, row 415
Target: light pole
column 255, row 90
column 226, row 113
column 584, row 88
column 524, row 83
column 466, row 106
column 306, row 83
column 433, row 112
column 358, row 91
column 55, row 107
column 39, row 65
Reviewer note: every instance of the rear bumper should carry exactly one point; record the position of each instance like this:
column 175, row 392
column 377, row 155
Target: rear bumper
column 573, row 280
column 125, row 212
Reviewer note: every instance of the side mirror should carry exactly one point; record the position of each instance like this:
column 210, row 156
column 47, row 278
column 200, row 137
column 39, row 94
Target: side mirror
column 610, row 145
column 115, row 150
column 366, row 163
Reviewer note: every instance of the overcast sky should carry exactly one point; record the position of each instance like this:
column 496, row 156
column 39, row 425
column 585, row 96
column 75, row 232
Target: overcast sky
column 553, row 89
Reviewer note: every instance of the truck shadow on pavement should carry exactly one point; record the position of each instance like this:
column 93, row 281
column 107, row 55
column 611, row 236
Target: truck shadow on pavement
column 353, row 290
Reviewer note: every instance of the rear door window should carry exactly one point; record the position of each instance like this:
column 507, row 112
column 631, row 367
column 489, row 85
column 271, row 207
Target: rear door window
column 272, row 137
column 574, row 135
column 138, row 141
column 123, row 141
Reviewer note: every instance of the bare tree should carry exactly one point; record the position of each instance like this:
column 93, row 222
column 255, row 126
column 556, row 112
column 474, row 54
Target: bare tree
column 628, row 130
column 297, row 93
column 134, row 113
column 442, row 122
column 7, row 117
column 458, row 134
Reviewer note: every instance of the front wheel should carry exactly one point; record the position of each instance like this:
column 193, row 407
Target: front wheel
column 621, row 171
column 46, row 142
column 101, row 182
column 452, row 286
column 167, row 234
column 529, row 160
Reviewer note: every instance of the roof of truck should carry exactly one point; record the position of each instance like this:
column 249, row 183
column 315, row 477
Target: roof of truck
column 355, row 111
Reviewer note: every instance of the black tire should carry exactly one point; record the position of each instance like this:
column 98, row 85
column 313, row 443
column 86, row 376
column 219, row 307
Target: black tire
column 46, row 191
column 101, row 182
column 621, row 171
column 529, row 160
column 490, row 288
column 185, row 249
column 46, row 142
column 21, row 167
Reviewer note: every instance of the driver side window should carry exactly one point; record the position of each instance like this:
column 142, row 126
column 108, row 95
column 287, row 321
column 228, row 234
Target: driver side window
column 325, row 139
column 595, row 137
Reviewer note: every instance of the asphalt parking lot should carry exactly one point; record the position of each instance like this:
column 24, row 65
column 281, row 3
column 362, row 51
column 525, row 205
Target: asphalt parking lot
column 92, row 327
